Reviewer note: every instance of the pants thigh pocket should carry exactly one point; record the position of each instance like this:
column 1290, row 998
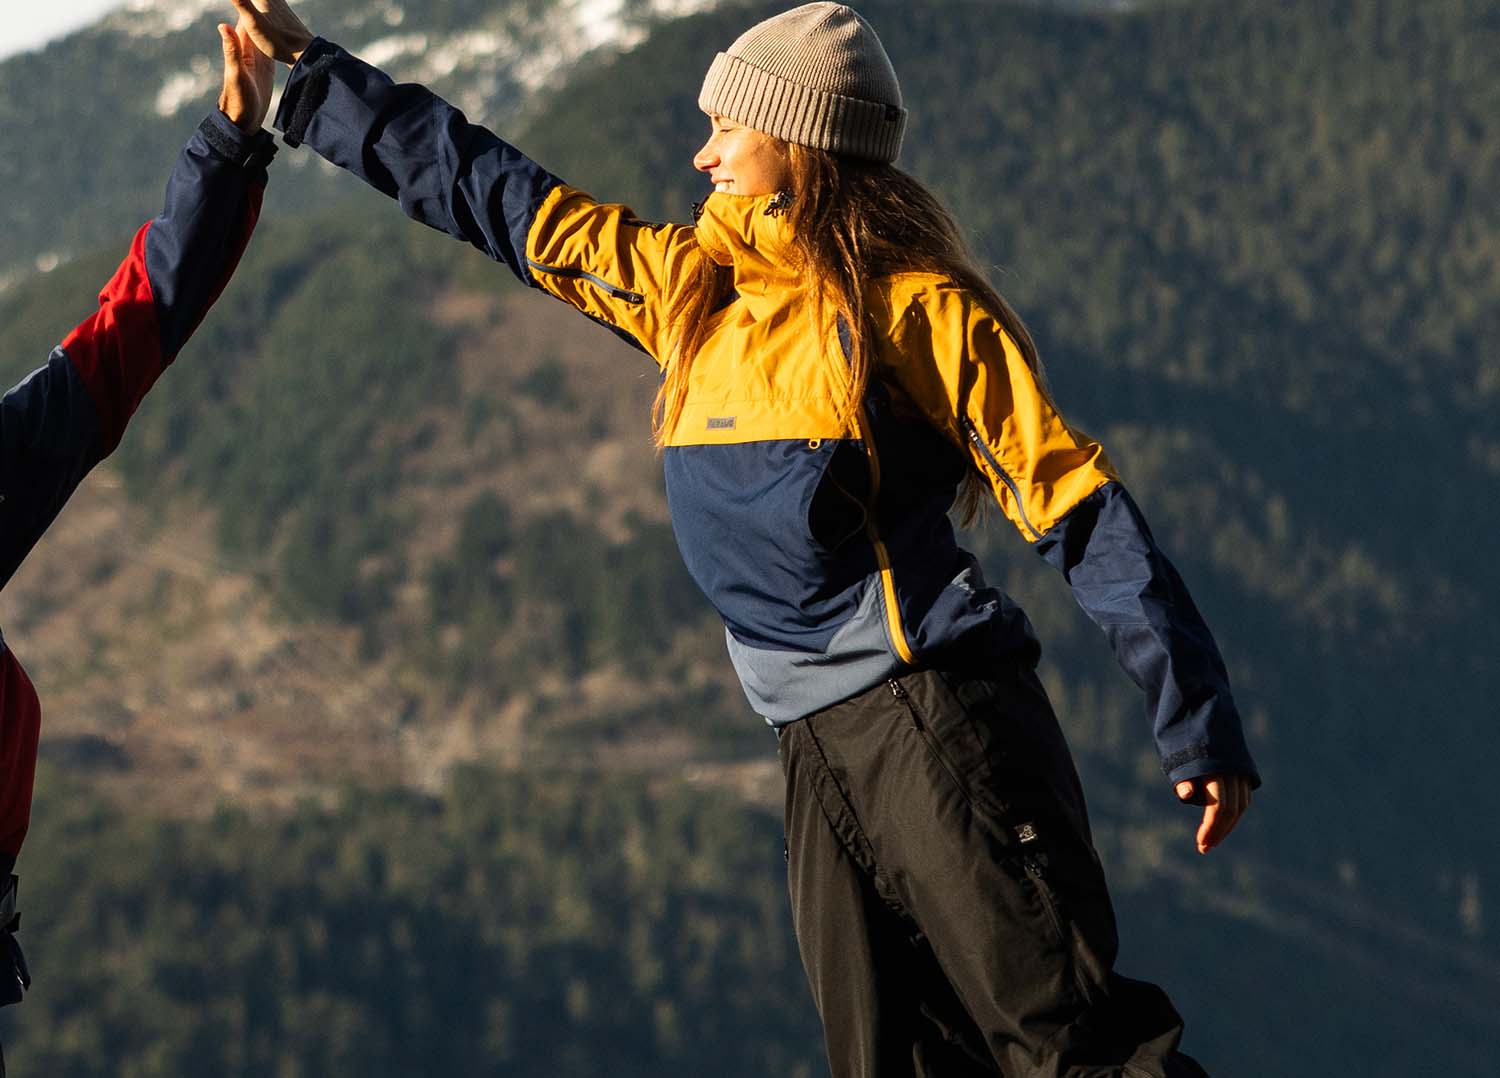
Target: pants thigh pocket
column 1029, row 780
column 1070, row 886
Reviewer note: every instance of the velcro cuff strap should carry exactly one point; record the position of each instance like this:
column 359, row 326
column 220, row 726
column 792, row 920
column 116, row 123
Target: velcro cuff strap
column 310, row 93
column 252, row 153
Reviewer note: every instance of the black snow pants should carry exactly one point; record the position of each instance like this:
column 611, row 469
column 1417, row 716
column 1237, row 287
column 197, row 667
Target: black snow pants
column 950, row 908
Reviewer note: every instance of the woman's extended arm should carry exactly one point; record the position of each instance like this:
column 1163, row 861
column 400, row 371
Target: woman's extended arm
column 462, row 179
column 1059, row 490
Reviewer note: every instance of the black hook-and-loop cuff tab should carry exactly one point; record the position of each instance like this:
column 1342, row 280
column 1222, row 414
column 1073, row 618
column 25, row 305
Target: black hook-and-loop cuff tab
column 15, row 978
column 253, row 153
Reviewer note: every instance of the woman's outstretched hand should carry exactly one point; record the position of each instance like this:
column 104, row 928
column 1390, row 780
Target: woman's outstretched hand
column 1224, row 799
column 274, row 28
column 247, row 80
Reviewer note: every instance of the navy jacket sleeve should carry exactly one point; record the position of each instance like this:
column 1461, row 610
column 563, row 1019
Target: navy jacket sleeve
column 405, row 141
column 1129, row 589
column 69, row 414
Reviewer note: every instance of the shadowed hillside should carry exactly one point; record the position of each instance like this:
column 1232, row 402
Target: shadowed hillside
column 1255, row 244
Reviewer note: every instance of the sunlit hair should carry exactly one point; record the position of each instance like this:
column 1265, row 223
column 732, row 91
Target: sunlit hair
column 852, row 221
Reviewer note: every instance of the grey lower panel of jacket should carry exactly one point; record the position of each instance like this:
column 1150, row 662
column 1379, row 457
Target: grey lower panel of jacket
column 784, row 686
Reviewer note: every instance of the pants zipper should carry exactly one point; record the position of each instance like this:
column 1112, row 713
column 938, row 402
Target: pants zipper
column 899, row 692
column 1030, row 863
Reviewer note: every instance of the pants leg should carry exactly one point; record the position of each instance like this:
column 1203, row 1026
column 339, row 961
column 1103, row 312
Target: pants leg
column 887, row 1010
column 948, row 812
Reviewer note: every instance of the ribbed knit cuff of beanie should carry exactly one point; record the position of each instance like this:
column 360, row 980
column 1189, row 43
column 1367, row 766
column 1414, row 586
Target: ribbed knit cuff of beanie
column 817, row 76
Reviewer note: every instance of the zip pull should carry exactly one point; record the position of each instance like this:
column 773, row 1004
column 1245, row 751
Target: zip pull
column 1001, row 474
column 899, row 692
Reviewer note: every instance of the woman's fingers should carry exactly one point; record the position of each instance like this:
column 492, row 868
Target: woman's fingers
column 254, row 23
column 1225, row 799
column 1228, row 798
column 1212, row 827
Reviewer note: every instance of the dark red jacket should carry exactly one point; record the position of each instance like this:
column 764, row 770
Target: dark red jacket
column 68, row 415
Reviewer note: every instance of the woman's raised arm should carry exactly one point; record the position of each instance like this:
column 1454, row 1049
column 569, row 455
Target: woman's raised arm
column 462, row 179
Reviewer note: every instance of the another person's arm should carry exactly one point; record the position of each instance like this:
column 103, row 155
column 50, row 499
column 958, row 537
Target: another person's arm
column 1058, row 488
column 460, row 178
column 67, row 415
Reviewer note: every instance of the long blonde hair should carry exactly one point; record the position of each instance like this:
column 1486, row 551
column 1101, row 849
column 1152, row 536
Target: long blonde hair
column 852, row 221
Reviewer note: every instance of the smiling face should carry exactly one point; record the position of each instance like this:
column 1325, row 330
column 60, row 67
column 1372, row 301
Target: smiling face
column 742, row 160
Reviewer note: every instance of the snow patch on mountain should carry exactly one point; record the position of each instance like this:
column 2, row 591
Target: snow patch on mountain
column 596, row 24
column 157, row 18
column 527, row 56
column 383, row 51
column 184, row 88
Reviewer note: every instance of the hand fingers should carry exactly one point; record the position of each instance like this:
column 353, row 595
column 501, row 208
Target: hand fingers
column 1228, row 799
column 1185, row 791
column 231, row 52
column 253, row 20
column 260, row 66
column 260, row 13
column 251, row 56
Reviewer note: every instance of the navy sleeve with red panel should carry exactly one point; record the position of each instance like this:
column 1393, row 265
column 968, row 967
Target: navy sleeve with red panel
column 69, row 414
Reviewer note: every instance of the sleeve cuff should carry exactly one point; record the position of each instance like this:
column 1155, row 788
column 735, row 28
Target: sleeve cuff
column 253, row 153
column 306, row 87
column 1197, row 761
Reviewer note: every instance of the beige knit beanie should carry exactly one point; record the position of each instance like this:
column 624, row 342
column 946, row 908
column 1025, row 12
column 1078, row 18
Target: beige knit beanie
column 817, row 76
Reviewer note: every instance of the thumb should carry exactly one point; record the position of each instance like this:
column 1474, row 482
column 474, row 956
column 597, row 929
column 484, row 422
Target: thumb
column 231, row 51
column 1185, row 790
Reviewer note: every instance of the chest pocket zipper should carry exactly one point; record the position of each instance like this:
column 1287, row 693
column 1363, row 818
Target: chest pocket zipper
column 614, row 291
column 1001, row 474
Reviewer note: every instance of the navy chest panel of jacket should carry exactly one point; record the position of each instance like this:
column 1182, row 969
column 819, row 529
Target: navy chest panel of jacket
column 743, row 519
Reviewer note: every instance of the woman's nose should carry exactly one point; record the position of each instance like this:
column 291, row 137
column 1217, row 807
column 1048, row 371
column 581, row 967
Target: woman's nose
column 706, row 158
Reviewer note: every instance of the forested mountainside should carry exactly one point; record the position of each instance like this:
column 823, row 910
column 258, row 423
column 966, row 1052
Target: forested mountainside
column 1256, row 246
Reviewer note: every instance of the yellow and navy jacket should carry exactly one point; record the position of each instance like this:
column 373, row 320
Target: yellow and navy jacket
column 824, row 544
column 69, row 414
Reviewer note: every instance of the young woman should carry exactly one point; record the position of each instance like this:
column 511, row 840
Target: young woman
column 835, row 373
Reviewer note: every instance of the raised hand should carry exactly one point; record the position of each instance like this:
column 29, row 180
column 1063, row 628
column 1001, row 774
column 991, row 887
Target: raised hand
column 247, row 80
column 1224, row 799
column 274, row 28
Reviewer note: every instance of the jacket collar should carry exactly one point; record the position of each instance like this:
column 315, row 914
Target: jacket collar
column 752, row 234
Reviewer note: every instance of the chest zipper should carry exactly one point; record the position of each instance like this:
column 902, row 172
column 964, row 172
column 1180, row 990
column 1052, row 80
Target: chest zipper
column 568, row 273
column 1001, row 474
column 882, row 556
